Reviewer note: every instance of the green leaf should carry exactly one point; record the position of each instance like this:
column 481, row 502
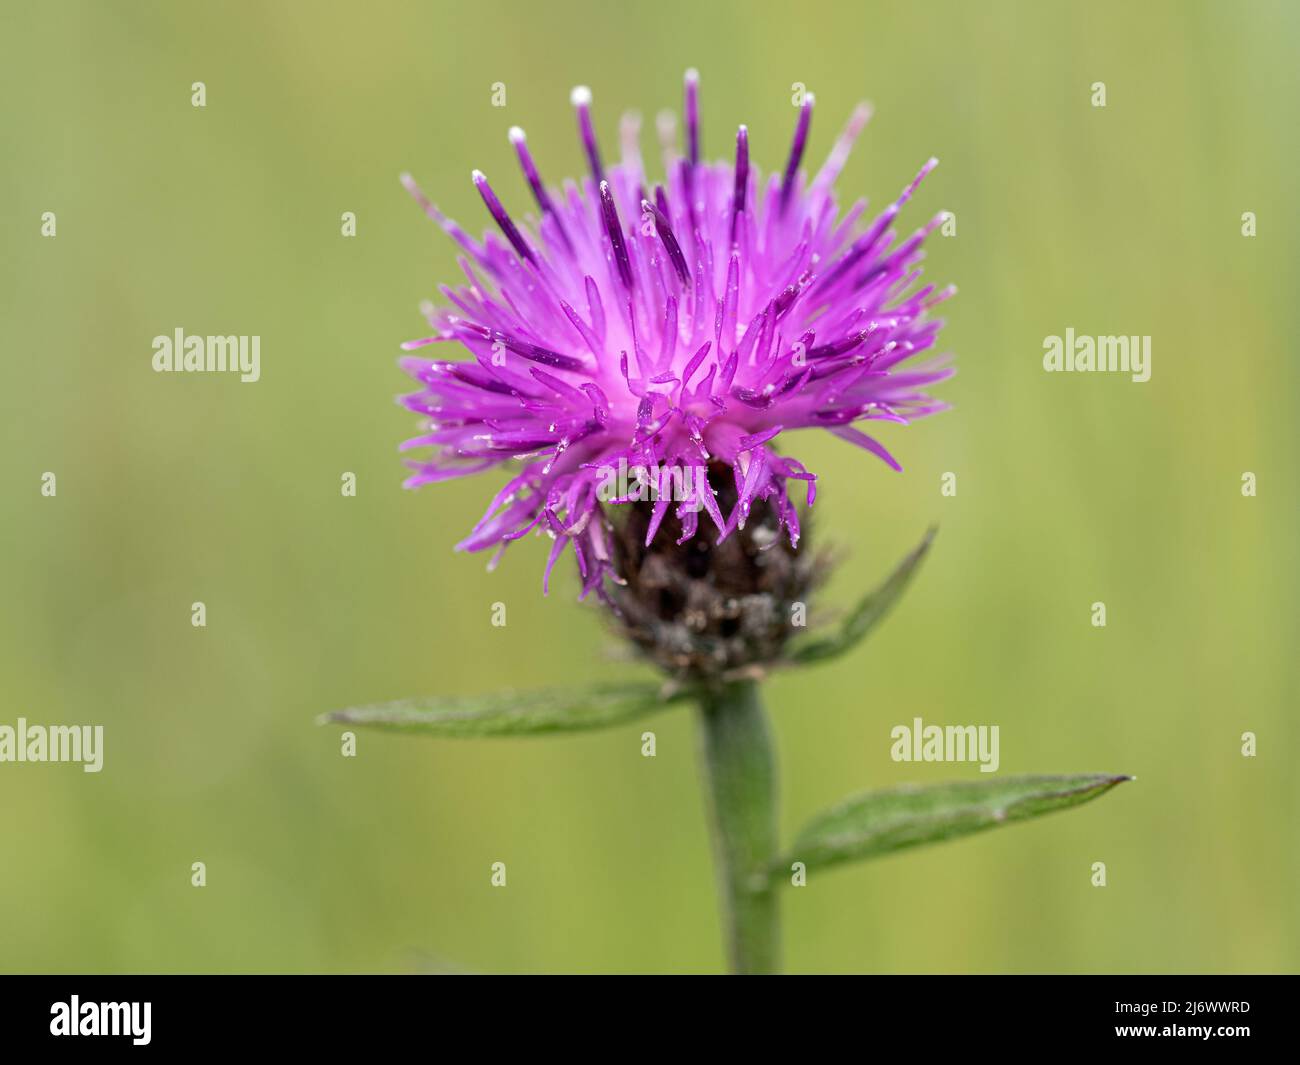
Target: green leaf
column 863, row 618
column 514, row 713
column 881, row 822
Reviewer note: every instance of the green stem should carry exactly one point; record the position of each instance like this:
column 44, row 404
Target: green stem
column 740, row 777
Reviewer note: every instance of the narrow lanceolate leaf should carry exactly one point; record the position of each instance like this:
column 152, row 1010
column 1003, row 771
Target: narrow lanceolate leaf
column 863, row 617
column 879, row 823
column 514, row 713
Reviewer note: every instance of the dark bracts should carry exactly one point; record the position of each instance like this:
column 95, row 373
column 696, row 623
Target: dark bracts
column 704, row 610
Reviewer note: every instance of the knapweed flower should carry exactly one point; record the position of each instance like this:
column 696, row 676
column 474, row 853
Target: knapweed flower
column 652, row 344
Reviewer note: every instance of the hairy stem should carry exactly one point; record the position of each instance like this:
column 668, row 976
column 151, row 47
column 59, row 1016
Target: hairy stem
column 740, row 779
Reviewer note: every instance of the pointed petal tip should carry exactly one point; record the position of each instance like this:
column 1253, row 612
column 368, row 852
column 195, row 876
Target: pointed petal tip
column 515, row 135
column 580, row 96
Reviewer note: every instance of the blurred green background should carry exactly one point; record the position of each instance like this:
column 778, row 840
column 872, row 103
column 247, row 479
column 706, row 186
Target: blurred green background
column 1071, row 489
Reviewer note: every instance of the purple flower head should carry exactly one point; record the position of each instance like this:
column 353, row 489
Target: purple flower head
column 674, row 330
